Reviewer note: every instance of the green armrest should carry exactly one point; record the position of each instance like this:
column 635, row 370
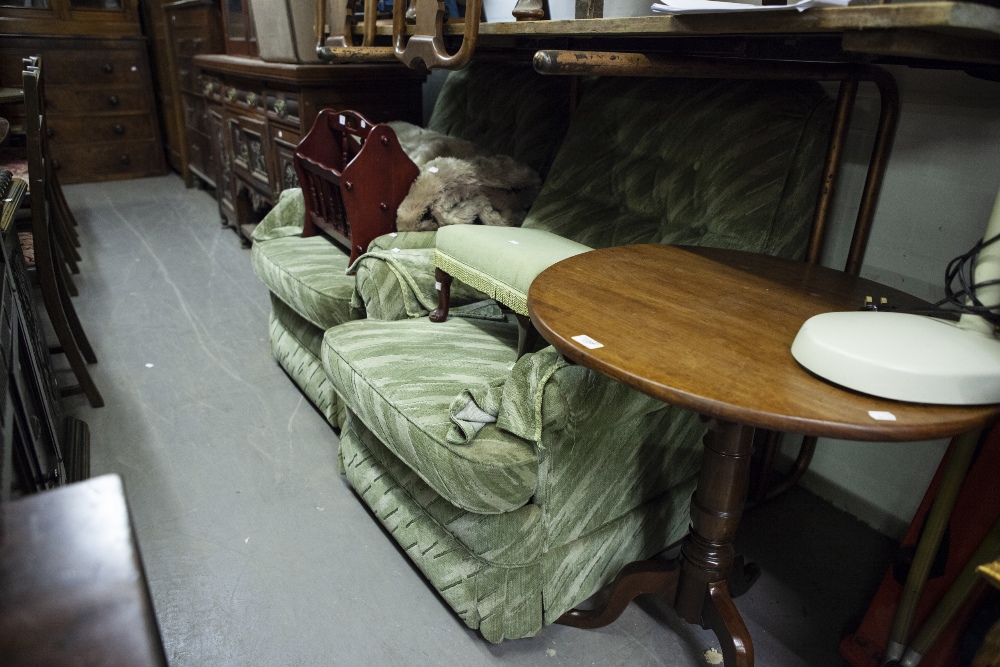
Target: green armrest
column 501, row 261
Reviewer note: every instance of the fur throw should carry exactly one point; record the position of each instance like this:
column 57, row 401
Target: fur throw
column 461, row 184
column 423, row 145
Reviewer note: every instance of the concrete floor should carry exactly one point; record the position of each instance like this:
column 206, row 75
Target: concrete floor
column 257, row 551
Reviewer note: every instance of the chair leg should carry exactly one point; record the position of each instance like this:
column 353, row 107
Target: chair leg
column 60, row 201
column 528, row 338
column 53, row 301
column 68, row 279
column 76, row 328
column 440, row 314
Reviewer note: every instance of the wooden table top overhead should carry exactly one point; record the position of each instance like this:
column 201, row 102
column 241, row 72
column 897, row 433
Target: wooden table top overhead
column 711, row 330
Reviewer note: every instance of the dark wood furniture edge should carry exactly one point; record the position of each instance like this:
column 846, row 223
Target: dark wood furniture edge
column 301, row 75
column 181, row 4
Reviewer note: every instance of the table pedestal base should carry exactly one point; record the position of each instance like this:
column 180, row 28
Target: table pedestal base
column 695, row 583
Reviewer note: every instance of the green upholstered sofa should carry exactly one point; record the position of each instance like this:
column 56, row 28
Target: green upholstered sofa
column 310, row 287
column 519, row 486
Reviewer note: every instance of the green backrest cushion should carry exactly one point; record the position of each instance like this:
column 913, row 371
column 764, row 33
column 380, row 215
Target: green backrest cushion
column 731, row 164
column 505, row 108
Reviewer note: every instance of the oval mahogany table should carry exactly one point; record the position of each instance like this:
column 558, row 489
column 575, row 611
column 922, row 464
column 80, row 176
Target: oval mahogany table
column 711, row 330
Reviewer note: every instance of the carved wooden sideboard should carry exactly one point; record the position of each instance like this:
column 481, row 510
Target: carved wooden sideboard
column 256, row 112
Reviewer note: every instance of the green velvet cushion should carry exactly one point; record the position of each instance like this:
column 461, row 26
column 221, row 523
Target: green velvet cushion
column 732, row 164
column 401, row 377
column 501, row 261
column 310, row 275
column 495, row 570
column 295, row 345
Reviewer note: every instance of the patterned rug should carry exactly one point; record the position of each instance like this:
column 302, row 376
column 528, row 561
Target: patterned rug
column 15, row 161
column 27, row 242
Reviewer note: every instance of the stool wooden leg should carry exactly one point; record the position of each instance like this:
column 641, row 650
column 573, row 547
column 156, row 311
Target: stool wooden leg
column 440, row 314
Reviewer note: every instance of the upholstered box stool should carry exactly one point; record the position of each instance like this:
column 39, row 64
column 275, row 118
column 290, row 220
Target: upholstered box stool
column 500, row 262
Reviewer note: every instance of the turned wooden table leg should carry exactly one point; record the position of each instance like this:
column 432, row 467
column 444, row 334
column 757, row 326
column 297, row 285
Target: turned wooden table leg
column 707, row 552
column 658, row 577
column 696, row 583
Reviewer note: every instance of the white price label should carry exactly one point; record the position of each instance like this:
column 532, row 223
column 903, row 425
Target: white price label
column 882, row 416
column 587, row 342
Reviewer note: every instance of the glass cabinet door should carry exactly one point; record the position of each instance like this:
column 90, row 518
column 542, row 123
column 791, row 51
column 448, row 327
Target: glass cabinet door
column 25, row 4
column 241, row 38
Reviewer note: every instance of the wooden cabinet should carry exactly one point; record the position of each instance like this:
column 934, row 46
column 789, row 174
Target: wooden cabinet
column 100, row 107
column 256, row 112
column 241, row 36
column 71, row 17
column 194, row 27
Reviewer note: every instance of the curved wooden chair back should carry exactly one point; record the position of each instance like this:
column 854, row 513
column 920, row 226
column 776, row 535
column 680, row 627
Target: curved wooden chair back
column 51, row 280
column 339, row 44
column 426, row 45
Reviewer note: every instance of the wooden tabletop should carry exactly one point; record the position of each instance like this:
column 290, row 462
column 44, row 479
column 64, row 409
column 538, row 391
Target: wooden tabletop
column 711, row 330
column 72, row 588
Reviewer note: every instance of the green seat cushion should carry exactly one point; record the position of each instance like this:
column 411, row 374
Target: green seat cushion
column 309, row 275
column 501, row 261
column 400, row 378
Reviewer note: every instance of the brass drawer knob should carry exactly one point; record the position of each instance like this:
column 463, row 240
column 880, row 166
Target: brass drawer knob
column 119, row 129
column 124, row 158
column 107, row 68
column 113, row 100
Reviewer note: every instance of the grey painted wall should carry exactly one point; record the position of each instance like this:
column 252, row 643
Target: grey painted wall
column 940, row 187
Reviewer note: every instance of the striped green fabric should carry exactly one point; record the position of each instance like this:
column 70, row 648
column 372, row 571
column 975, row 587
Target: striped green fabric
column 716, row 163
column 295, row 345
column 503, row 573
column 310, row 275
column 285, row 219
column 401, row 377
column 396, row 281
column 731, row 164
column 507, row 109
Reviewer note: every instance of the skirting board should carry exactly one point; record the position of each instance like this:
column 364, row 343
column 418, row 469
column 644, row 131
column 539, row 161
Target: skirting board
column 862, row 509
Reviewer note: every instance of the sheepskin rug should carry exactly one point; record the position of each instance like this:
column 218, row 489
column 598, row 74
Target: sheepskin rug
column 460, row 184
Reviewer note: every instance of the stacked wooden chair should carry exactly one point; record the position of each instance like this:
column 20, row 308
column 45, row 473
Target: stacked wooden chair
column 51, row 240
column 13, row 158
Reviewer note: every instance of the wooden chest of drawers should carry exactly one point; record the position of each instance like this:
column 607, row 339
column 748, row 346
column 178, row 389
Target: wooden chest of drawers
column 99, row 102
column 195, row 27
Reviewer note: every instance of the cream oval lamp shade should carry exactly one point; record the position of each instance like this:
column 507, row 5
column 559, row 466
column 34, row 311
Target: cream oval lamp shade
column 912, row 357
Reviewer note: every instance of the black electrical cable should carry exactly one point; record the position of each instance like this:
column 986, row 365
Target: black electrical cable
column 963, row 298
